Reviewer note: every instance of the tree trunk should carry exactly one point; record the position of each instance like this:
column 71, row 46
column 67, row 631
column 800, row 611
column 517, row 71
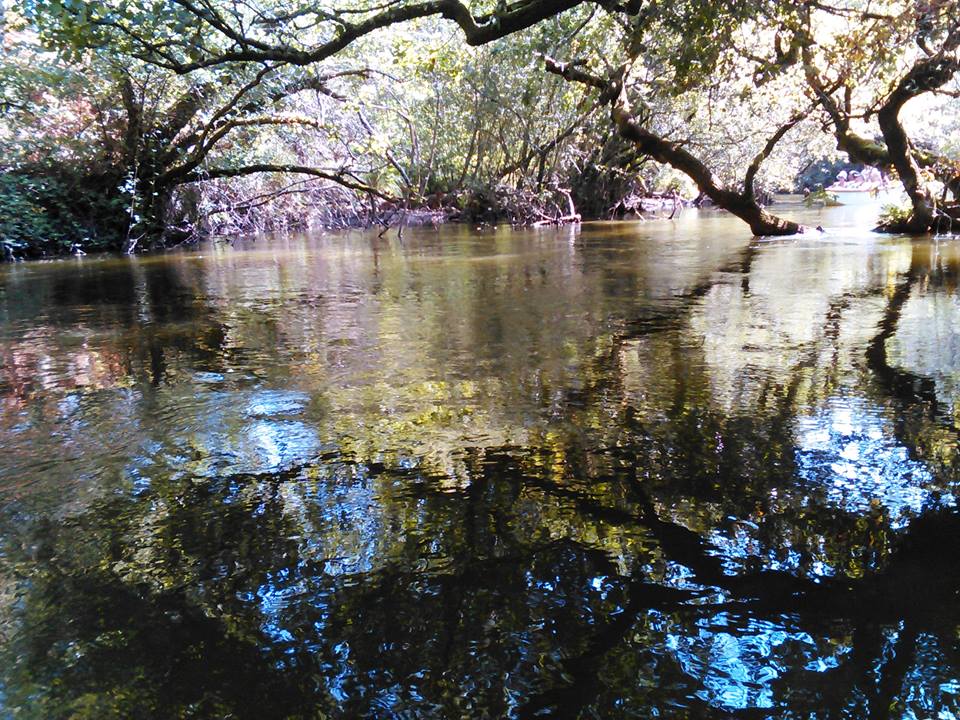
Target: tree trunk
column 923, row 75
column 926, row 75
column 898, row 146
column 760, row 221
column 741, row 204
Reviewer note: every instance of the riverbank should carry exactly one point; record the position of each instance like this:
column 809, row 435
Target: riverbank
column 46, row 216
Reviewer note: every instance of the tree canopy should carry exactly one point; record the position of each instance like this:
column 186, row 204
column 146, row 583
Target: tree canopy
column 396, row 104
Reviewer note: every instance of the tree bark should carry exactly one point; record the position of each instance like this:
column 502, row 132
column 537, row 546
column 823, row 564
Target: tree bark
column 925, row 75
column 741, row 204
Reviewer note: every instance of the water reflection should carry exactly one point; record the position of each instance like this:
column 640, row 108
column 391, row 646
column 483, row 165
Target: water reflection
column 845, row 455
column 630, row 471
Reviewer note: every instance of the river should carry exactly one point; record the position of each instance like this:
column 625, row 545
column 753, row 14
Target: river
column 626, row 470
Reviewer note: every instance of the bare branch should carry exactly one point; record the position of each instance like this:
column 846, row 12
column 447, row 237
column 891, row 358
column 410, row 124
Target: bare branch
column 754, row 166
column 570, row 71
column 173, row 175
column 341, row 178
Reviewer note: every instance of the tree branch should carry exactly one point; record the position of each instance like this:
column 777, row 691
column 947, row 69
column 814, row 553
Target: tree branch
column 173, row 175
column 570, row 71
column 341, row 178
column 758, row 159
column 476, row 30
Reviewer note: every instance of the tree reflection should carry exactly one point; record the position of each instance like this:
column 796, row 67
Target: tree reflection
column 728, row 499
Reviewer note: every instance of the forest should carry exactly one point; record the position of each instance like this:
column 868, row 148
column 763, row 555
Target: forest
column 139, row 124
column 481, row 359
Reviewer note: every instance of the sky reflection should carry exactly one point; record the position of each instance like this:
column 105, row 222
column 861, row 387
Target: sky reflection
column 630, row 470
column 737, row 662
column 848, row 454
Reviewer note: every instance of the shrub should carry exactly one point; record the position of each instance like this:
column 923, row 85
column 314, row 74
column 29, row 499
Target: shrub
column 894, row 216
column 46, row 215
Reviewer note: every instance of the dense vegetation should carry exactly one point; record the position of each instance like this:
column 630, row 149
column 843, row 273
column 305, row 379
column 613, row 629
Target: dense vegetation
column 142, row 123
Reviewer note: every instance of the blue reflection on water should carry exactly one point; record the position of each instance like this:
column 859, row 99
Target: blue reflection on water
column 849, row 454
column 930, row 689
column 231, row 432
column 275, row 402
column 735, row 662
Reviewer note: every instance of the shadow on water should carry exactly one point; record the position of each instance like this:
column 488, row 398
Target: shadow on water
column 629, row 471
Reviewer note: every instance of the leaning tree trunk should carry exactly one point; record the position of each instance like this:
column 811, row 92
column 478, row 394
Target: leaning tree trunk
column 760, row 221
column 922, row 218
column 926, row 75
column 741, row 204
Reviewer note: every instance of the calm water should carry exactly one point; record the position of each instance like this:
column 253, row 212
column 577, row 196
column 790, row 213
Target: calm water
column 631, row 470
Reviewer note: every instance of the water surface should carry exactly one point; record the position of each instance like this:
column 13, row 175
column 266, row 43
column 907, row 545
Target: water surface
column 627, row 470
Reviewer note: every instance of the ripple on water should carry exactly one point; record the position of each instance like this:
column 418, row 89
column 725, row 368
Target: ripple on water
column 739, row 661
column 479, row 474
column 849, row 455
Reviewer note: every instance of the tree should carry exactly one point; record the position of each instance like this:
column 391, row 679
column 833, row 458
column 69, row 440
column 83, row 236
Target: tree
column 903, row 51
column 666, row 55
column 140, row 133
column 228, row 36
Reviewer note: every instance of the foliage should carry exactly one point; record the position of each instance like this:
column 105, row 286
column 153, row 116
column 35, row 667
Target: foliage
column 42, row 215
column 384, row 106
column 821, row 197
column 895, row 216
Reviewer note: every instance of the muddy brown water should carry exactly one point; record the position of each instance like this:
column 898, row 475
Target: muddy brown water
column 626, row 470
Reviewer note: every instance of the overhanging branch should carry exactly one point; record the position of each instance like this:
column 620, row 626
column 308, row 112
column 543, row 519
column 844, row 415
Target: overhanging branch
column 340, row 178
column 477, row 30
column 758, row 159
